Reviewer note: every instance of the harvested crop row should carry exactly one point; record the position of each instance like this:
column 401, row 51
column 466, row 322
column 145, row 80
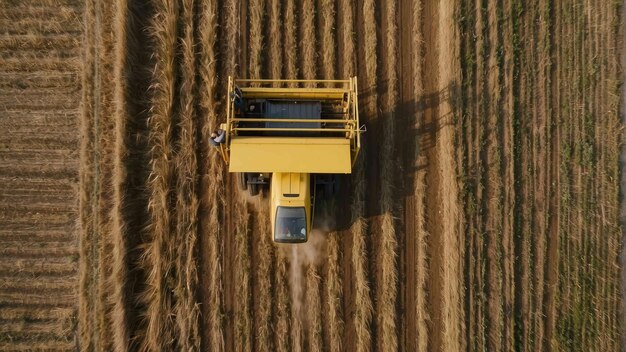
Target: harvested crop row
column 492, row 154
column 487, row 101
column 608, row 248
column 587, row 275
column 508, row 109
column 540, row 151
column 103, row 125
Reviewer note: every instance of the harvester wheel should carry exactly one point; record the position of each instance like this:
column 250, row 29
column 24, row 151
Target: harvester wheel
column 328, row 190
column 337, row 184
column 253, row 188
column 243, row 184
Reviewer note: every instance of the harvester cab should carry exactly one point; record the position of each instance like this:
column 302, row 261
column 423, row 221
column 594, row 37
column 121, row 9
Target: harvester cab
column 292, row 140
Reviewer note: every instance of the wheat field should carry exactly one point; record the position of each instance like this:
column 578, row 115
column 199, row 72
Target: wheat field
column 481, row 215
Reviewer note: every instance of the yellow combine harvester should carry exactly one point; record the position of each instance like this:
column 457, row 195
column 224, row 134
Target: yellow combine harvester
column 294, row 140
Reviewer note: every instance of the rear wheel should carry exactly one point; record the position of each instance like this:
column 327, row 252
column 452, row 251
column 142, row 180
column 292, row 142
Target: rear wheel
column 329, row 185
column 337, row 184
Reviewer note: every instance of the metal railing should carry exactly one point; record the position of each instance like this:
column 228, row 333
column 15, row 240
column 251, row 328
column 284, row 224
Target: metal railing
column 350, row 125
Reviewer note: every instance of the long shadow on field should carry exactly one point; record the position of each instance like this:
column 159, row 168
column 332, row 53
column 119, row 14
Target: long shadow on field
column 414, row 133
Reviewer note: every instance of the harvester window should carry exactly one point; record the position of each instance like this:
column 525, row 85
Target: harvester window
column 290, row 224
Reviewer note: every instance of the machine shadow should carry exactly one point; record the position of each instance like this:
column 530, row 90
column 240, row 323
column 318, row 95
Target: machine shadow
column 417, row 125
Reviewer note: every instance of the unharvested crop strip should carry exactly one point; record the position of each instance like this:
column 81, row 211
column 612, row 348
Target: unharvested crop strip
column 157, row 259
column 107, row 143
column 275, row 41
column 387, row 280
column 327, row 39
column 211, row 191
column 452, row 313
column 282, row 307
column 244, row 326
column 184, row 236
column 255, row 12
column 333, row 323
column 86, row 184
column 362, row 295
column 102, row 126
column 296, row 286
column 89, row 172
column 229, row 14
column 314, row 310
column 307, row 40
column 289, row 54
column 346, row 67
column 345, row 38
column 119, row 297
column 263, row 284
column 333, row 312
column 421, row 269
